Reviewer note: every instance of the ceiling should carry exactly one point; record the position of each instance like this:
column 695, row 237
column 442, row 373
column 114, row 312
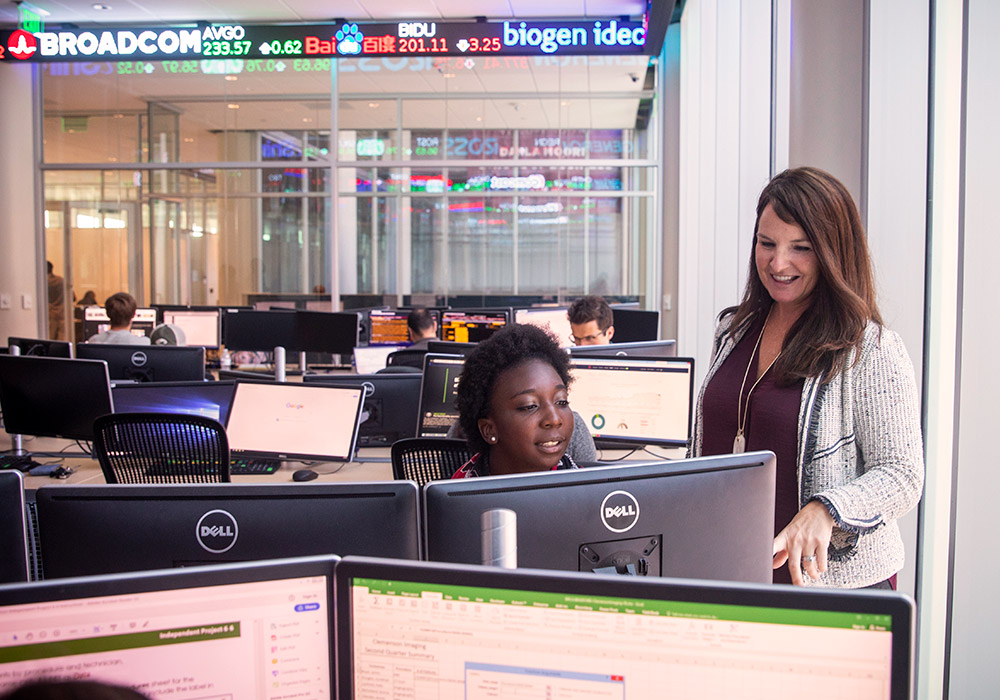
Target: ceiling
column 166, row 11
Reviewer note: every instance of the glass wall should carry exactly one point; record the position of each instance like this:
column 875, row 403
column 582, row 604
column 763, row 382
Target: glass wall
column 206, row 181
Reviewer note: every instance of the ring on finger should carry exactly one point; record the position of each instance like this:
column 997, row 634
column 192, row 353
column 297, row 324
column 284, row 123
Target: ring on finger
column 809, row 558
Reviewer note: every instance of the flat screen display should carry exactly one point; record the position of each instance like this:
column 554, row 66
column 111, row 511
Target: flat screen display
column 554, row 320
column 650, row 404
column 95, row 320
column 148, row 363
column 390, row 408
column 294, row 421
column 201, row 326
column 209, row 399
column 14, row 543
column 473, row 325
column 258, row 631
column 437, row 412
column 484, row 632
column 388, row 327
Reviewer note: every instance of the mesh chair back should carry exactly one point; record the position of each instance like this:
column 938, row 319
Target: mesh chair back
column 161, row 448
column 428, row 459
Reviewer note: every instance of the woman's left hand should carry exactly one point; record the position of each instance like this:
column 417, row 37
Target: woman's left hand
column 804, row 541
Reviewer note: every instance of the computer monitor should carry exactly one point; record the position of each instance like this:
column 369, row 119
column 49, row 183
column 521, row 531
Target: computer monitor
column 41, row 347
column 417, row 629
column 390, row 407
column 649, row 348
column 14, row 542
column 201, row 325
column 388, row 326
column 332, row 332
column 86, row 530
column 148, row 363
column 258, row 330
column 209, row 399
column 710, row 517
column 552, row 319
column 253, row 630
column 448, row 347
column 95, row 320
column 438, row 389
column 634, row 325
column 53, row 396
column 472, row 325
column 650, row 404
column 294, row 421
column 369, row 359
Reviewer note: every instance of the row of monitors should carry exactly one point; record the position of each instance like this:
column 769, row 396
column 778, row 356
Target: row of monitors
column 325, row 627
column 651, row 403
column 242, row 328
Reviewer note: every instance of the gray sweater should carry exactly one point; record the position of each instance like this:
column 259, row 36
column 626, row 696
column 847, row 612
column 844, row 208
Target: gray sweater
column 860, row 452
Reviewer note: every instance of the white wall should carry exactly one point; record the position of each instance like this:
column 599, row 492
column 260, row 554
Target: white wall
column 21, row 273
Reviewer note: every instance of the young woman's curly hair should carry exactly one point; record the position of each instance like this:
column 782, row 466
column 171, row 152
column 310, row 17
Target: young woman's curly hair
column 509, row 347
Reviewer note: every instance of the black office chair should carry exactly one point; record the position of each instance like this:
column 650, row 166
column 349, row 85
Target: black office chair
column 406, row 357
column 161, row 448
column 428, row 459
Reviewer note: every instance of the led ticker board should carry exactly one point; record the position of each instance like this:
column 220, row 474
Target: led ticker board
column 335, row 40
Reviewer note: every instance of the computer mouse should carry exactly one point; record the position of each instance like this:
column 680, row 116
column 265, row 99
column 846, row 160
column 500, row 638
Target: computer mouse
column 304, row 475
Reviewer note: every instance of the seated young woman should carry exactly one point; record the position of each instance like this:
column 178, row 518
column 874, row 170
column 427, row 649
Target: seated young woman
column 513, row 404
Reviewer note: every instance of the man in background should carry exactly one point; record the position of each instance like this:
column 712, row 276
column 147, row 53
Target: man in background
column 120, row 308
column 422, row 328
column 591, row 320
column 57, row 304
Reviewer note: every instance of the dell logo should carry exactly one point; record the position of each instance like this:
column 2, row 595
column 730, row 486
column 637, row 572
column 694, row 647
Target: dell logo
column 138, row 358
column 216, row 531
column 619, row 511
column 369, row 388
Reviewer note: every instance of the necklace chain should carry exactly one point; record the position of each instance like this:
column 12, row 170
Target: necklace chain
column 742, row 413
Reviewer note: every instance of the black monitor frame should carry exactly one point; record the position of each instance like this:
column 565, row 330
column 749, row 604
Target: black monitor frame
column 433, row 382
column 175, row 397
column 709, row 517
column 391, row 404
column 335, row 332
column 635, row 325
column 250, row 329
column 895, row 611
column 53, row 396
column 647, row 348
column 449, row 347
column 87, row 530
column 14, row 565
column 148, row 363
column 41, row 347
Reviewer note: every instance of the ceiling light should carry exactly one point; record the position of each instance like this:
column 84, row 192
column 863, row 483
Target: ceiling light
column 307, row 119
column 188, row 139
column 231, row 77
column 373, row 105
column 100, row 6
column 233, row 105
column 449, row 75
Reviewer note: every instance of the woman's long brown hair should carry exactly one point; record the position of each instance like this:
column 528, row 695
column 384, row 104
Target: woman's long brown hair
column 843, row 301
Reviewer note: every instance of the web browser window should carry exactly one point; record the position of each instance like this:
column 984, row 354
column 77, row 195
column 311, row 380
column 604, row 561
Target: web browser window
column 418, row 639
column 265, row 640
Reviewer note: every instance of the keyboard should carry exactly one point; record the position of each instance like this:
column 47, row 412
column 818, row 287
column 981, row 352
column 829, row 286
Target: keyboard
column 20, row 462
column 242, row 466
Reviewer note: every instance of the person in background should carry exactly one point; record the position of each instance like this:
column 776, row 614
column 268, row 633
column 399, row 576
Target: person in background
column 422, row 328
column 591, row 320
column 89, row 299
column 513, row 404
column 120, row 308
column 57, row 304
column 803, row 367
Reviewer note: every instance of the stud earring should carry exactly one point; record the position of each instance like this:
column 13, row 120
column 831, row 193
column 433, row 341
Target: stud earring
column 493, row 438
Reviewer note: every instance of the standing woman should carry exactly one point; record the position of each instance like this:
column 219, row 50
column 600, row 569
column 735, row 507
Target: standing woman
column 803, row 367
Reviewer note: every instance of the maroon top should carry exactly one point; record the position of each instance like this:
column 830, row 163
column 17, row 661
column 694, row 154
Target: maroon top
column 772, row 423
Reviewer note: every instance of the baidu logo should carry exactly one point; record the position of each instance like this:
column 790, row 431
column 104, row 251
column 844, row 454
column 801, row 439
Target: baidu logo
column 349, row 40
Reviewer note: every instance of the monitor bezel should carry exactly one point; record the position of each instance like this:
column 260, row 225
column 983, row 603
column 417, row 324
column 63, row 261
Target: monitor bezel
column 217, row 311
column 46, row 343
column 611, row 441
column 778, row 596
column 126, row 387
column 118, row 371
column 299, row 456
column 428, row 359
column 14, row 563
column 483, row 311
column 627, row 349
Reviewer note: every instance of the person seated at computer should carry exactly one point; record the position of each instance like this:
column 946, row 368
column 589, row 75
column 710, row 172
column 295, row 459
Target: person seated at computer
column 120, row 308
column 513, row 404
column 422, row 328
column 53, row 689
column 591, row 321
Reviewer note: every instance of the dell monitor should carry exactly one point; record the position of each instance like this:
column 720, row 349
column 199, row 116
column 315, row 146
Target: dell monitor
column 294, row 421
column 633, row 325
column 472, row 325
column 14, row 526
column 650, row 405
column 209, row 399
column 648, row 348
column 258, row 330
column 255, row 631
column 202, row 325
column 438, row 389
column 53, row 396
column 95, row 320
column 417, row 629
column 390, row 408
column 87, row 530
column 320, row 331
column 553, row 319
column 710, row 517
column 41, row 347
column 148, row 363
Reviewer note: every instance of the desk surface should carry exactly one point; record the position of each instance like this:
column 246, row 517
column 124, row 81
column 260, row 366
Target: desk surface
column 372, row 464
